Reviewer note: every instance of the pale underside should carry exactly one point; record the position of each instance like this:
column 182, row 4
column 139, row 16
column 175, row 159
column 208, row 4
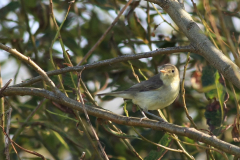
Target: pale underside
column 153, row 99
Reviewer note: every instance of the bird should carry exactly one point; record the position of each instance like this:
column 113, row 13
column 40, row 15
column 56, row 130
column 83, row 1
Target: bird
column 155, row 93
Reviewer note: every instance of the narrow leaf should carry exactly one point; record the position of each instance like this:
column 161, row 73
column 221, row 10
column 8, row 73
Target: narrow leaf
column 154, row 154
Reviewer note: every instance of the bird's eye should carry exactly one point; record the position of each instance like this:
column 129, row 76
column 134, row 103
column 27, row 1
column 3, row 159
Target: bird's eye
column 172, row 71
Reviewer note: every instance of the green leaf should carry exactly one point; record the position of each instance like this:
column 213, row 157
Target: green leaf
column 59, row 137
column 60, row 115
column 208, row 80
column 10, row 7
column 217, row 95
column 136, row 27
column 153, row 154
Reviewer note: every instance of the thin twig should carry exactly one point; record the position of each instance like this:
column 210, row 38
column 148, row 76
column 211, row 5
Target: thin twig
column 86, row 132
column 208, row 29
column 125, row 141
column 183, row 92
column 18, row 131
column 212, row 21
column 88, row 119
column 209, row 154
column 156, row 144
column 17, row 72
column 66, row 58
column 29, row 30
column 5, row 86
column 105, row 84
column 118, row 134
column 104, row 34
column 227, row 34
column 143, row 138
column 237, row 106
column 31, row 152
column 149, row 33
column 133, row 72
column 11, row 143
column 88, row 94
column 26, row 150
column 164, row 18
column 174, row 136
column 9, row 113
column 58, row 35
column 85, row 129
column 2, row 120
column 205, row 147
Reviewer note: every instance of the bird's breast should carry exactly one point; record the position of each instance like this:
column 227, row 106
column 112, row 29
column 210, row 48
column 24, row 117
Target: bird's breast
column 157, row 99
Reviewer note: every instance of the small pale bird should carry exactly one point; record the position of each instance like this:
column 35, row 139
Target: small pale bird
column 155, row 93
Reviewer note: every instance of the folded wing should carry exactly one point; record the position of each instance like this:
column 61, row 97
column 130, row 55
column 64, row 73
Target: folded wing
column 152, row 83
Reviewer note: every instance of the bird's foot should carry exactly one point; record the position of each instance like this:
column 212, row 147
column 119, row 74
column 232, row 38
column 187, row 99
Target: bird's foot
column 143, row 118
column 161, row 121
column 157, row 117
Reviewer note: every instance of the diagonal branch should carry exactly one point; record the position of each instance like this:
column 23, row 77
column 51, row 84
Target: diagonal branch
column 200, row 41
column 5, row 86
column 28, row 60
column 130, row 121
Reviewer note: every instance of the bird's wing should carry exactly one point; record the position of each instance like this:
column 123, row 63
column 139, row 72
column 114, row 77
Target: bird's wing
column 151, row 84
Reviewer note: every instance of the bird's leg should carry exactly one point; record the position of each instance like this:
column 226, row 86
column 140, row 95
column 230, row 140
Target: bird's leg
column 144, row 116
column 153, row 115
column 157, row 117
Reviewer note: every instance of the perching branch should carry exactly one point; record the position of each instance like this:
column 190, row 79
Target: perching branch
column 130, row 121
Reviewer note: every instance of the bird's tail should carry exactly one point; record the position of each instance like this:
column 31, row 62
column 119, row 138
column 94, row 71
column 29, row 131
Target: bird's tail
column 121, row 94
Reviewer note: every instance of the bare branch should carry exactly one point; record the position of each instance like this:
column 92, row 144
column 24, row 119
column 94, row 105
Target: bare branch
column 200, row 41
column 26, row 150
column 9, row 113
column 160, row 51
column 5, row 86
column 130, row 121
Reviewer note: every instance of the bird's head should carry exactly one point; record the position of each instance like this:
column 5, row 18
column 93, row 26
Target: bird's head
column 169, row 73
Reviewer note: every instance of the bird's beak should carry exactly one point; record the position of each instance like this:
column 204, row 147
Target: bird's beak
column 163, row 71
